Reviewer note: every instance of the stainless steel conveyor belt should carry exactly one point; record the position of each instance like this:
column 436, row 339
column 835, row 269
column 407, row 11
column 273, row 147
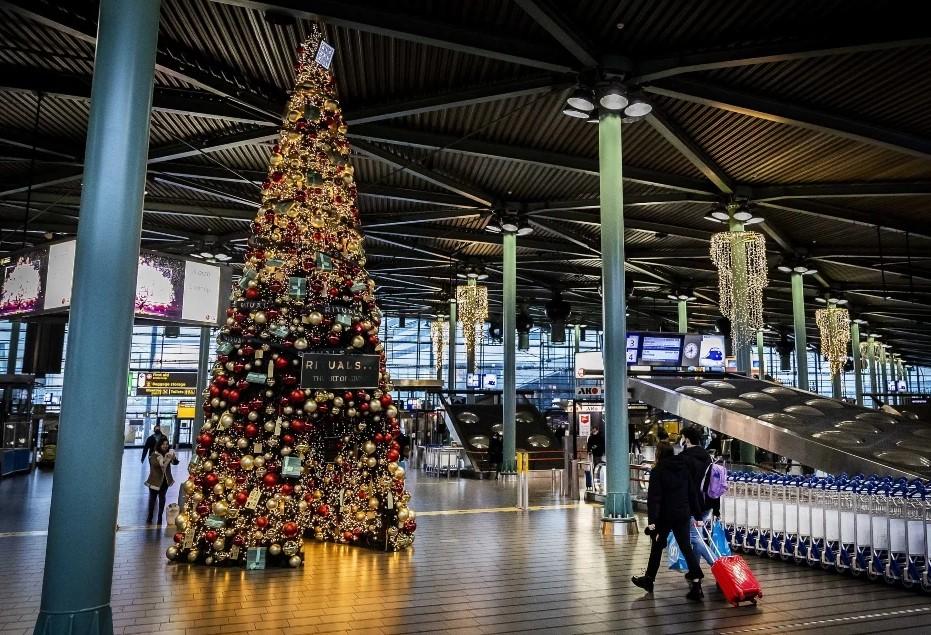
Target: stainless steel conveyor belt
column 825, row 434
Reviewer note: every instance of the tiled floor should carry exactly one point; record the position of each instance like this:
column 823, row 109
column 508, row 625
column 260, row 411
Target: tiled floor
column 478, row 566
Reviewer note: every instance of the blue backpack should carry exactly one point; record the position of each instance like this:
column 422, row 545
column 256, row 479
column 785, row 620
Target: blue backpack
column 714, row 483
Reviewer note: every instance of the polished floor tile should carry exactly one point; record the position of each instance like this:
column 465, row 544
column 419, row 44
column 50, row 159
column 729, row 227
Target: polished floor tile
column 479, row 566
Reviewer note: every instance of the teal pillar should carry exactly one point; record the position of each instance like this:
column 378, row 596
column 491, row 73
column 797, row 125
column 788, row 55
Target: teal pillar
column 883, row 374
column 451, row 374
column 739, row 265
column 203, row 370
column 617, row 498
column 509, row 327
column 82, row 520
column 801, row 336
column 857, row 362
column 872, row 362
column 837, row 390
column 759, row 353
column 12, row 351
column 683, row 316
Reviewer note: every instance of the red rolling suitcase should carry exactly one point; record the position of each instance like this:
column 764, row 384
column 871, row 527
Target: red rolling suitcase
column 733, row 575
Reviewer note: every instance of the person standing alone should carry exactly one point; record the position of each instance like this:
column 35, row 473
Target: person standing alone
column 160, row 461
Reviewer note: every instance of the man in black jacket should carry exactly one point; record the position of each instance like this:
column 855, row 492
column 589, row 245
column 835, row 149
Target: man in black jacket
column 698, row 461
column 152, row 442
column 672, row 504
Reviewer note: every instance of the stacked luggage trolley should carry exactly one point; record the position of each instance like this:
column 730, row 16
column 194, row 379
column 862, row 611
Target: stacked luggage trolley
column 873, row 526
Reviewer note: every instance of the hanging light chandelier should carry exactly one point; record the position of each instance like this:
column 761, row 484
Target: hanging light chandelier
column 472, row 301
column 834, row 327
column 740, row 257
column 438, row 329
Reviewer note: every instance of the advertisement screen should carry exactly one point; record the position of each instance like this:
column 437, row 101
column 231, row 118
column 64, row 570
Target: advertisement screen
column 659, row 350
column 712, row 351
column 168, row 288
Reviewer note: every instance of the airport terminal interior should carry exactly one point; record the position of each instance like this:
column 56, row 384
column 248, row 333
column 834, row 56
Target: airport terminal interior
column 311, row 315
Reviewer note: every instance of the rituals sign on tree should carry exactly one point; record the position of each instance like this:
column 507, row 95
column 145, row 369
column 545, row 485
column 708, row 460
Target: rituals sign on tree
column 300, row 431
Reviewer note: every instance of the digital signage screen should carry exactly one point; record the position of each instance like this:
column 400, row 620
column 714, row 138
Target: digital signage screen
column 712, row 351
column 168, row 288
column 661, row 350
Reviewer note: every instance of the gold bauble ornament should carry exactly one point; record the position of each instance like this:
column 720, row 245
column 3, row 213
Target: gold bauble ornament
column 360, row 516
column 229, row 482
column 247, row 463
column 338, row 402
column 300, row 344
column 371, row 461
column 259, row 317
column 398, row 473
column 310, row 406
column 218, row 544
column 358, row 341
column 197, row 497
column 226, row 421
column 315, row 318
column 172, row 553
column 259, row 461
column 403, row 514
column 181, row 522
column 274, row 549
column 295, row 561
column 373, row 503
column 218, row 489
column 188, row 487
column 192, row 555
column 220, row 508
column 368, row 447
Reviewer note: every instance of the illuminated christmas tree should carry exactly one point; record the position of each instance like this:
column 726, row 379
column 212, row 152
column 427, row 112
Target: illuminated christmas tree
column 299, row 432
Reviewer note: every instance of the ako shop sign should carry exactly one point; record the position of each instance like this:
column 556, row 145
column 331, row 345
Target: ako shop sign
column 330, row 372
column 161, row 383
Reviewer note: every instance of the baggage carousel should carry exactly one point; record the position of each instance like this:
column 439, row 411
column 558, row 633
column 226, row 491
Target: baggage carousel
column 825, row 434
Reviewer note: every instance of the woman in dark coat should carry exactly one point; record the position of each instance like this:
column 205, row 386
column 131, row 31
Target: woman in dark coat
column 496, row 452
column 672, row 503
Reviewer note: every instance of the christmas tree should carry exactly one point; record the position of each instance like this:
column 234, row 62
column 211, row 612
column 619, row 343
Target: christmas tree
column 299, row 436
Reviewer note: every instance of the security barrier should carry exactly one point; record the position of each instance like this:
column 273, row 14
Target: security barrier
column 872, row 526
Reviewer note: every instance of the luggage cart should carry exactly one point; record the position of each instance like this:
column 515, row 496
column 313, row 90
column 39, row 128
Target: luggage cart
column 832, row 539
column 916, row 563
column 765, row 498
column 778, row 501
column 879, row 533
column 847, row 517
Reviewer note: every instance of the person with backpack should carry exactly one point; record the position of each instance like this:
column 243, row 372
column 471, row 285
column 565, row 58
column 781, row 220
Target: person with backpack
column 699, row 464
column 672, row 503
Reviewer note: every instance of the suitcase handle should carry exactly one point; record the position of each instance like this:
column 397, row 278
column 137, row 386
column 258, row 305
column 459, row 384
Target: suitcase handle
column 713, row 548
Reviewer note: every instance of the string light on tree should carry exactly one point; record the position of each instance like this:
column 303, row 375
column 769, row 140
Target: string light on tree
column 472, row 302
column 277, row 459
column 834, row 327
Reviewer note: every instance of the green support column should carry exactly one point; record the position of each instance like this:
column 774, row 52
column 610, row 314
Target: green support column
column 451, row 374
column 617, row 505
column 857, row 362
column 203, row 371
column 683, row 316
column 509, row 327
column 759, row 353
column 883, row 374
column 742, row 349
column 82, row 519
column 801, row 337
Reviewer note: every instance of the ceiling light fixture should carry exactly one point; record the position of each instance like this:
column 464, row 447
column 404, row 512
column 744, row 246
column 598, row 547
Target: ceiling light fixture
column 613, row 97
column 581, row 99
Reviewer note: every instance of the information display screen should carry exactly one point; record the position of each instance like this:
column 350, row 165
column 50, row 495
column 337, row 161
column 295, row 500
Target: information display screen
column 712, row 351
column 168, row 288
column 661, row 350
column 161, row 383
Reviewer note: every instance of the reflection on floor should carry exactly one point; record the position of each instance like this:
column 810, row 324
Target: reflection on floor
column 478, row 566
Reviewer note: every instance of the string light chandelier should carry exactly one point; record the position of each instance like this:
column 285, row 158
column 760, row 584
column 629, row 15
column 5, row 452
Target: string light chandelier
column 740, row 257
column 834, row 326
column 870, row 349
column 472, row 301
column 438, row 330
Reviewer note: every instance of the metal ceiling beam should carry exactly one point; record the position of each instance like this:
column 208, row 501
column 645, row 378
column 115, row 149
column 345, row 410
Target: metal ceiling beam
column 841, row 190
column 567, row 233
column 172, row 58
column 55, row 177
column 687, row 147
column 481, row 237
column 458, row 98
column 509, row 152
column 214, row 143
column 416, row 218
column 415, row 196
column 557, row 24
column 584, row 216
column 630, row 200
column 820, row 210
column 469, row 191
column 382, row 20
column 164, row 99
column 840, row 42
column 28, row 141
column 200, row 188
column 793, row 114
column 150, row 206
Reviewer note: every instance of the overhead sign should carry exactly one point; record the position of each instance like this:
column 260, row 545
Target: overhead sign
column 325, row 371
column 589, row 391
column 168, row 288
column 160, row 383
column 186, row 409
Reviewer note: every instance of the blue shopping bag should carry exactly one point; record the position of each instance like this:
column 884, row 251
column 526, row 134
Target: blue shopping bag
column 674, row 555
column 719, row 539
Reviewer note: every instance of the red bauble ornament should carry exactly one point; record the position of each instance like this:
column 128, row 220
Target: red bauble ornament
column 392, row 455
column 211, row 479
column 214, row 390
column 379, row 437
column 261, row 522
column 286, row 490
column 248, row 351
column 385, row 400
column 298, row 426
column 281, row 362
column 205, row 439
column 252, row 293
column 270, row 479
column 210, row 535
column 203, row 509
column 410, row 526
column 297, row 396
column 287, row 439
column 241, row 498
column 179, row 537
column 289, row 529
column 347, row 535
column 238, row 367
column 252, row 430
column 233, row 397
column 347, row 395
column 201, row 451
column 323, row 510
